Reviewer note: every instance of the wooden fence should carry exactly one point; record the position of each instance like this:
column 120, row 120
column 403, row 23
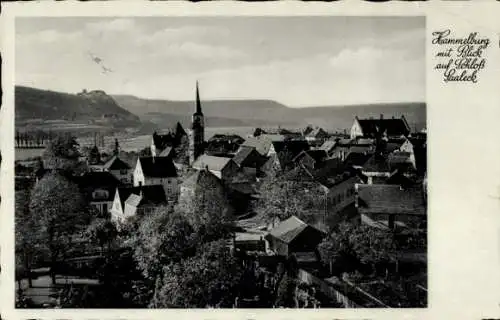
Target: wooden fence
column 343, row 293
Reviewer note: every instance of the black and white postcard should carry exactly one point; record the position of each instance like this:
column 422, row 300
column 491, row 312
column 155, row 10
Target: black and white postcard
column 284, row 158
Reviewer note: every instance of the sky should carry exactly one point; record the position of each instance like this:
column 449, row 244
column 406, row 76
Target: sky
column 297, row 61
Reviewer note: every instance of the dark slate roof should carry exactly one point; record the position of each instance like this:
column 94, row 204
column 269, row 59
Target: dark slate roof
column 161, row 141
column 393, row 127
column 360, row 149
column 158, row 167
column 167, row 152
column 305, row 257
column 151, row 193
column 116, row 163
column 390, row 199
column 317, row 155
column 293, row 146
column 289, row 229
column 97, row 179
column 377, row 163
column 248, row 157
column 355, row 159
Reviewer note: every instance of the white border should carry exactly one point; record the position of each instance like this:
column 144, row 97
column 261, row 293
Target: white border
column 464, row 160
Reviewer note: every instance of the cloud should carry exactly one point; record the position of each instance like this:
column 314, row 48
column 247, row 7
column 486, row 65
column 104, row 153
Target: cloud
column 181, row 34
column 197, row 51
column 115, row 25
column 47, row 36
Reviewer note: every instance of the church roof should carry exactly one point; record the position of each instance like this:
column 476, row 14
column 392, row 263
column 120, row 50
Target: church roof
column 393, row 127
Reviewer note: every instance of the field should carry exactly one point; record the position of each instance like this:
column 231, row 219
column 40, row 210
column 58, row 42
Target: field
column 131, row 143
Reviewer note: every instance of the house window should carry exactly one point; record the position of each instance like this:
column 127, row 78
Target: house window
column 123, row 171
column 100, row 194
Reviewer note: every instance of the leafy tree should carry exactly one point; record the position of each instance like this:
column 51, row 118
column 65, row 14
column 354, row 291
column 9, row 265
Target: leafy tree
column 94, row 155
column 102, row 232
column 207, row 209
column 25, row 240
column 162, row 238
column 210, row 278
column 285, row 296
column 58, row 212
column 62, row 153
column 367, row 245
column 282, row 198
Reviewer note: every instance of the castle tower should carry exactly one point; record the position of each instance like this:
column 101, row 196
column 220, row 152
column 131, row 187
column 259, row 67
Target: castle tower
column 197, row 137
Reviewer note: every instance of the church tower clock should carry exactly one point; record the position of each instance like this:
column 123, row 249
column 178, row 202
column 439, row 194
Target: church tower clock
column 197, row 138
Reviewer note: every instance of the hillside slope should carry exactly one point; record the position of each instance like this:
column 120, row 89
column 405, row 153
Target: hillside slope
column 267, row 112
column 86, row 107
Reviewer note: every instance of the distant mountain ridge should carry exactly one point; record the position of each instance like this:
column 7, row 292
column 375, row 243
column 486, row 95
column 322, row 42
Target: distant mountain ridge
column 269, row 112
column 99, row 108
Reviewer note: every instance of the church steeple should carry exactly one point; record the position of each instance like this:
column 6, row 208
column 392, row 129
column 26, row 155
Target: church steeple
column 197, row 139
column 198, row 103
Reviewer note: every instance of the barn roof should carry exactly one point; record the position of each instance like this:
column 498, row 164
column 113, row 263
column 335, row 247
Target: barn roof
column 390, row 199
column 290, row 229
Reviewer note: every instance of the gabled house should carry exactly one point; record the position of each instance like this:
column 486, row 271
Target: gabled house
column 261, row 143
column 338, row 184
column 98, row 189
column 316, row 136
column 120, row 169
column 173, row 138
column 282, row 153
column 391, row 206
column 249, row 160
column 157, row 171
column 312, row 159
column 402, row 161
column 144, row 199
column 328, row 146
column 223, row 144
column 357, row 160
column 371, row 128
column 222, row 167
column 203, row 182
column 293, row 235
column 377, row 169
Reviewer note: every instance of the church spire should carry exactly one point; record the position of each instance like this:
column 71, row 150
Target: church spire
column 198, row 104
